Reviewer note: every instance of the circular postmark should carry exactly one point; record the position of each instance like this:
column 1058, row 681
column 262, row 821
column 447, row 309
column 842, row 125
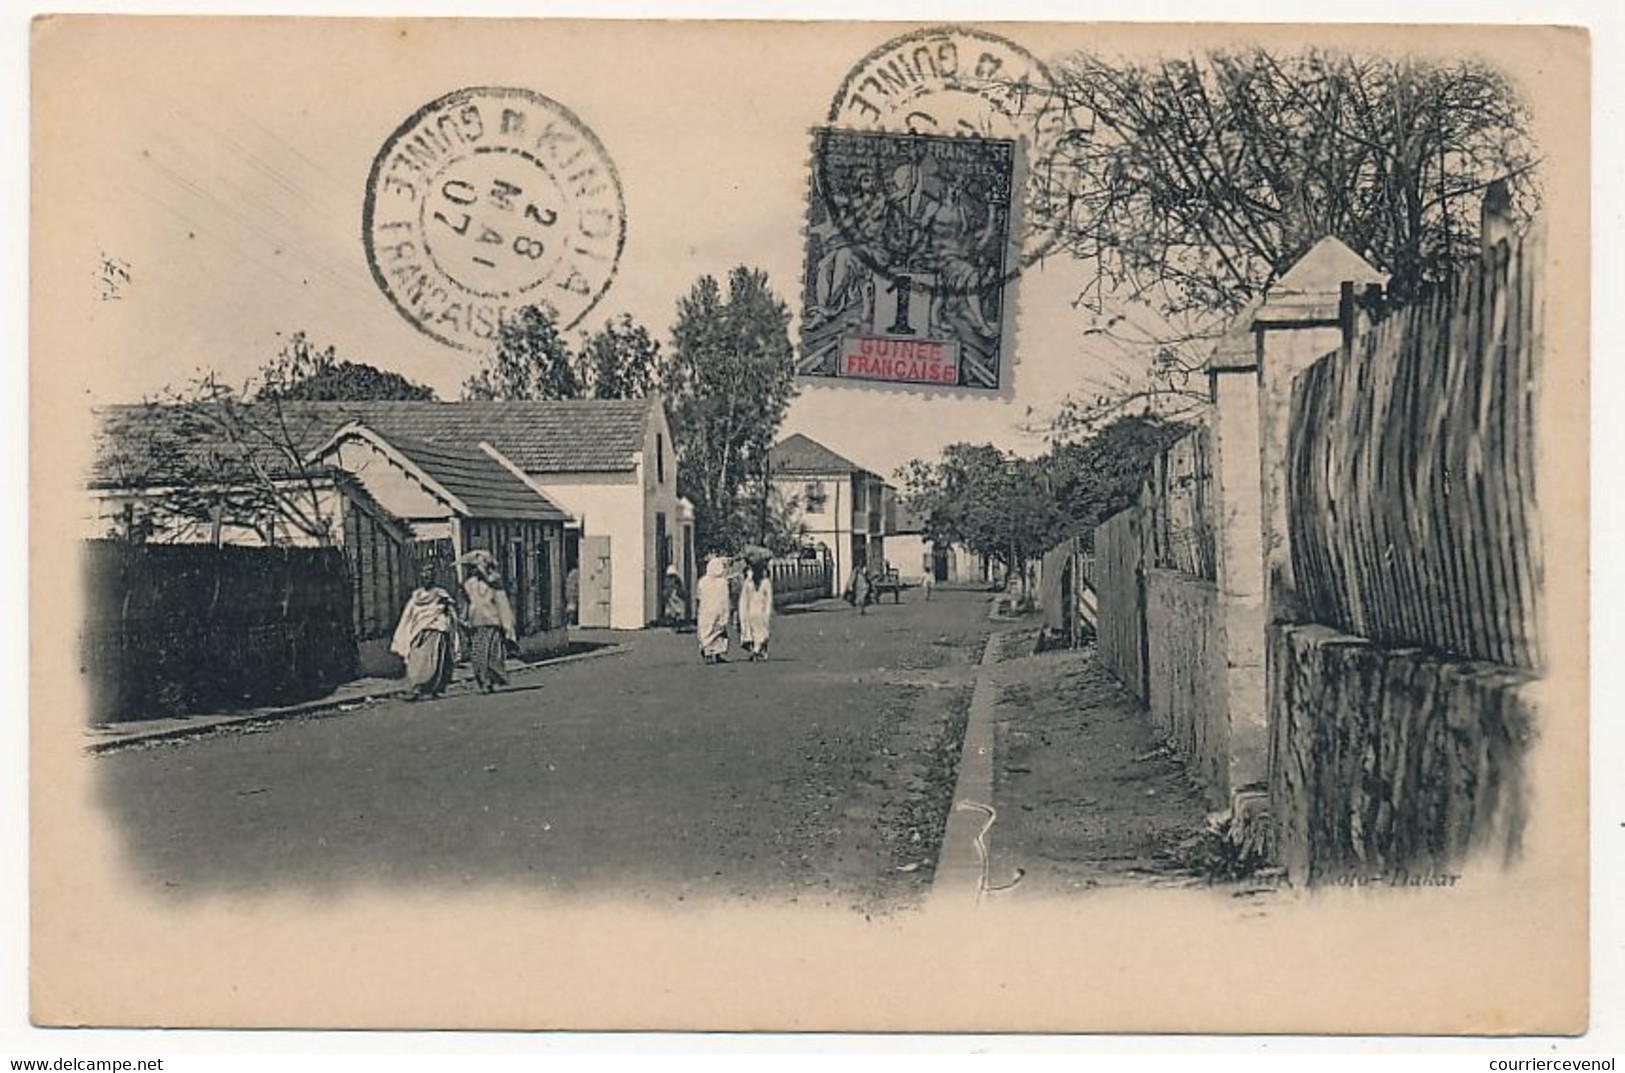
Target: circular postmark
column 486, row 201
column 984, row 203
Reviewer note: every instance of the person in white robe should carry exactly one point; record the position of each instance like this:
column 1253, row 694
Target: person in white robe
column 756, row 610
column 711, row 617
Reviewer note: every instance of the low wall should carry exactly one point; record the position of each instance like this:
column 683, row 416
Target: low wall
column 1391, row 762
column 1185, row 676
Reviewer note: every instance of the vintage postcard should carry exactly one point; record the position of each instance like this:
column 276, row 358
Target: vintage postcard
column 560, row 524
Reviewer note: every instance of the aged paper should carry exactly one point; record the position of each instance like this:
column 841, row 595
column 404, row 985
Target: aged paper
column 200, row 185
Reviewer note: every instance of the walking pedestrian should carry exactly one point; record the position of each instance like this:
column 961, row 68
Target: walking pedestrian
column 711, row 625
column 756, row 609
column 423, row 637
column 863, row 589
column 490, row 620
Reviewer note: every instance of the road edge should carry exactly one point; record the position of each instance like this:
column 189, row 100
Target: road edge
column 111, row 741
column 961, row 872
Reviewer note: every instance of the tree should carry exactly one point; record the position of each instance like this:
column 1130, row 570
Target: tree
column 216, row 457
column 779, row 525
column 727, row 385
column 531, row 361
column 1198, row 181
column 1100, row 476
column 1001, row 507
column 619, row 361
column 304, row 372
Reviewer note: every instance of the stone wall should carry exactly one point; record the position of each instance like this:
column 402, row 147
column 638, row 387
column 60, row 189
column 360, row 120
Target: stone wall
column 1186, row 676
column 1392, row 764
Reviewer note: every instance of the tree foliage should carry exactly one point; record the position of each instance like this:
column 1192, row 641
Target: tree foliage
column 727, row 385
column 1096, row 478
column 532, row 360
column 214, row 458
column 1000, row 507
column 1199, row 180
column 1012, row 509
column 217, row 457
column 619, row 361
column 305, row 372
column 1193, row 183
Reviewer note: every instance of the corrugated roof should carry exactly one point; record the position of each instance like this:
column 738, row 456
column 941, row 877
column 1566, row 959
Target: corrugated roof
column 485, row 487
column 799, row 454
column 139, row 442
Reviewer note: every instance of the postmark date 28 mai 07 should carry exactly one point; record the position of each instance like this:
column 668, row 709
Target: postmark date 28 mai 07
column 489, row 200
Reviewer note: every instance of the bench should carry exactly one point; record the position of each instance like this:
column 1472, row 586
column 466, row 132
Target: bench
column 891, row 581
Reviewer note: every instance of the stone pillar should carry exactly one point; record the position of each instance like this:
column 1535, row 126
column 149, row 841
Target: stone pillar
column 1307, row 314
column 1240, row 567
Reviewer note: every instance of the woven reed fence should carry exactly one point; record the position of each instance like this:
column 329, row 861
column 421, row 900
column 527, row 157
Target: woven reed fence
column 1119, row 581
column 1179, row 507
column 176, row 629
column 1412, row 500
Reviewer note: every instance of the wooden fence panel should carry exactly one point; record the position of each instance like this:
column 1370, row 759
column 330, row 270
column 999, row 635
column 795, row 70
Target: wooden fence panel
column 1119, row 578
column 1412, row 506
column 1180, row 510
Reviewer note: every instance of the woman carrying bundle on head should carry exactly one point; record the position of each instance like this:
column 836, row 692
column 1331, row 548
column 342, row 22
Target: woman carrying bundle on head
column 490, row 620
column 423, row 637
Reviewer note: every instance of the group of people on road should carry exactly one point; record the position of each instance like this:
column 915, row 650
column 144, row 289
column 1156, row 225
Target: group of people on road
column 434, row 627
column 714, row 596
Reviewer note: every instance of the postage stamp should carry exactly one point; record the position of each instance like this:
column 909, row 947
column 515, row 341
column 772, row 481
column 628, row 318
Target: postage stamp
column 957, row 80
column 904, row 275
column 486, row 201
column 939, row 144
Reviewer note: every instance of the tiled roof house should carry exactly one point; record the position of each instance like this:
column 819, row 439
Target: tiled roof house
column 609, row 464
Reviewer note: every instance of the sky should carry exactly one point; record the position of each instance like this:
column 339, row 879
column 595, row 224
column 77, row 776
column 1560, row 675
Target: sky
column 224, row 172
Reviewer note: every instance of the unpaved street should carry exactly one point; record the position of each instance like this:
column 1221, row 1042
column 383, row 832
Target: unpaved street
column 823, row 775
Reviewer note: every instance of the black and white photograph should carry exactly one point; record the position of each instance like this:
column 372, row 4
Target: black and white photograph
column 808, row 526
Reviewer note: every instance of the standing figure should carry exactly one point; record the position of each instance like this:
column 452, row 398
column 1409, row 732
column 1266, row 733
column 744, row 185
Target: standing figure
column 711, row 623
column 672, row 603
column 572, row 596
column 490, row 620
column 863, row 589
column 756, row 609
column 423, row 637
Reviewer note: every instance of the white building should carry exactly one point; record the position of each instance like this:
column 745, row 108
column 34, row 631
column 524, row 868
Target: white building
column 841, row 506
column 608, row 462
